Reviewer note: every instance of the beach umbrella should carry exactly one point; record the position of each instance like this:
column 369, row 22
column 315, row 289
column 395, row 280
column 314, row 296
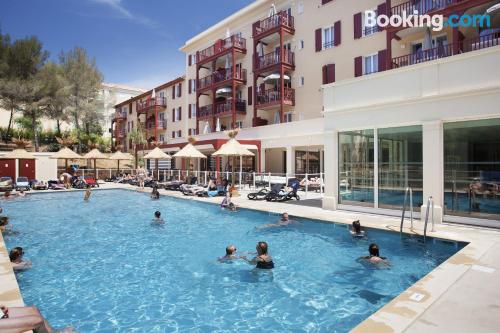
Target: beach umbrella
column 232, row 148
column 95, row 155
column 119, row 156
column 66, row 154
column 157, row 154
column 274, row 78
column 223, row 92
column 19, row 154
column 189, row 151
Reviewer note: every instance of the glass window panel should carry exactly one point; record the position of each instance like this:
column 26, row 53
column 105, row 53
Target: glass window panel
column 399, row 166
column 472, row 168
column 356, row 167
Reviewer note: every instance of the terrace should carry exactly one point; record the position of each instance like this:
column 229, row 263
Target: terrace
column 221, row 47
column 272, row 97
column 270, row 60
column 144, row 106
column 221, row 77
column 269, row 25
column 225, row 108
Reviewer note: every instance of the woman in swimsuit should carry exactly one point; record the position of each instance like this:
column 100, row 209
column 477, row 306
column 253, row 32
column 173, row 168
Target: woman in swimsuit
column 141, row 176
column 374, row 256
column 263, row 260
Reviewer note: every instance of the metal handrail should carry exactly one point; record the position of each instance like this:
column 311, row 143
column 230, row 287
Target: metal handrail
column 407, row 190
column 430, row 202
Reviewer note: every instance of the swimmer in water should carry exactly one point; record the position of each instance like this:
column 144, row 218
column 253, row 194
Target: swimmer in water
column 230, row 254
column 374, row 256
column 284, row 221
column 16, row 259
column 88, row 192
column 356, row 229
column 157, row 219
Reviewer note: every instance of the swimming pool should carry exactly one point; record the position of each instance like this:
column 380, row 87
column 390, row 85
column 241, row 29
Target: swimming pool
column 102, row 267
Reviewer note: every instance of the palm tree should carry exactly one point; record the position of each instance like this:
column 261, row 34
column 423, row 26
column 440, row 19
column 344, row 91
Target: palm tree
column 136, row 136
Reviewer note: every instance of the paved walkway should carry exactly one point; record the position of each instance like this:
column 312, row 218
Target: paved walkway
column 461, row 295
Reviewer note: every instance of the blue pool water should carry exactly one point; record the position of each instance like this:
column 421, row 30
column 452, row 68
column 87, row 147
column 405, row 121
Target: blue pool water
column 102, row 267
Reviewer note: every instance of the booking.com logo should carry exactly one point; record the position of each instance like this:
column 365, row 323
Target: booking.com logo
column 435, row 22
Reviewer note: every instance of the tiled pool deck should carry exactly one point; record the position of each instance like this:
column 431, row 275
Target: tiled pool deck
column 461, row 295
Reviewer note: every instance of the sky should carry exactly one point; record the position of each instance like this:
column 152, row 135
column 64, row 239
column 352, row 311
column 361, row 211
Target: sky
column 134, row 42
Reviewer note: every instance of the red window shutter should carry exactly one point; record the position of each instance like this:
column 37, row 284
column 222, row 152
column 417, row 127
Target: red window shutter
column 180, row 90
column 330, row 73
column 317, row 34
column 189, row 111
column 382, row 9
column 382, row 63
column 173, row 115
column 337, row 34
column 190, row 61
column 173, row 92
column 358, row 27
column 180, row 113
column 325, row 78
column 250, row 95
column 173, row 134
column 358, row 66
column 189, row 86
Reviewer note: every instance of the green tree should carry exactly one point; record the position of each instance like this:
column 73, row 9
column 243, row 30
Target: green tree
column 136, row 136
column 84, row 80
column 57, row 98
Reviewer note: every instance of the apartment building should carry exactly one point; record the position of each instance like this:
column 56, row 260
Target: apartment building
column 291, row 73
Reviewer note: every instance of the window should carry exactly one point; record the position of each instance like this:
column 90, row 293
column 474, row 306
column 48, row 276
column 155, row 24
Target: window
column 472, row 168
column 162, row 138
column 301, row 81
column 124, row 109
column 193, row 110
column 239, row 124
column 369, row 30
column 132, row 125
column 161, row 116
column 179, row 133
column 288, row 117
column 192, row 85
column 128, row 126
column 191, row 131
column 300, row 7
column 178, row 114
column 328, row 38
column 179, row 88
column 162, row 94
column 370, row 64
column 301, row 44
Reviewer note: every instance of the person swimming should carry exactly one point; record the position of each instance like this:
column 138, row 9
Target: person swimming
column 284, row 221
column 4, row 221
column 21, row 193
column 230, row 254
column 157, row 219
column 155, row 194
column 88, row 192
column 374, row 255
column 356, row 229
column 263, row 260
column 16, row 258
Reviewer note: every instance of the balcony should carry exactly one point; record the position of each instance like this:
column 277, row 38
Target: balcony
column 272, row 24
column 119, row 116
column 221, row 47
column 422, row 6
column 120, row 133
column 225, row 108
column 205, row 112
column 271, row 59
column 144, row 106
column 448, row 50
column 222, row 77
column 272, row 97
column 162, row 124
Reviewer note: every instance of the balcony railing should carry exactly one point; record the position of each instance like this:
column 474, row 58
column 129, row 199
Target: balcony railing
column 220, row 46
column 162, row 124
column 422, row 6
column 281, row 19
column 120, row 116
column 205, row 112
column 443, row 51
column 222, row 76
column 226, row 108
column 273, row 96
column 274, row 58
column 151, row 102
column 120, row 133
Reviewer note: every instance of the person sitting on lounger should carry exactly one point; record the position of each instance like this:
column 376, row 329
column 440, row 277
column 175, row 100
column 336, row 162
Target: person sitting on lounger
column 22, row 319
column 230, row 254
column 16, row 258
column 356, row 229
column 374, row 257
column 155, row 194
column 157, row 219
column 263, row 260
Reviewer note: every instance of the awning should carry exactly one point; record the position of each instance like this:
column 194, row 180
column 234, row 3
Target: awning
column 250, row 147
column 205, row 147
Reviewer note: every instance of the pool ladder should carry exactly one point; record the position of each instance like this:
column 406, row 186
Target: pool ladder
column 430, row 203
column 408, row 192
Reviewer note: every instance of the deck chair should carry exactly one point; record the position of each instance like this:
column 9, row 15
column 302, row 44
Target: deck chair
column 274, row 194
column 261, row 195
